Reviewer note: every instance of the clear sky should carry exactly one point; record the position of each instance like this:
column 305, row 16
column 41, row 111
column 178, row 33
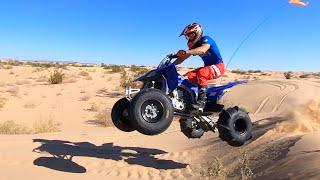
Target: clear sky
column 143, row 31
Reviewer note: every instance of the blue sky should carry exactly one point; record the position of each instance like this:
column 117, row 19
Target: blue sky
column 143, row 32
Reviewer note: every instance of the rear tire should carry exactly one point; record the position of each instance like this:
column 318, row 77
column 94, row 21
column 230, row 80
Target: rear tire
column 120, row 115
column 151, row 112
column 234, row 126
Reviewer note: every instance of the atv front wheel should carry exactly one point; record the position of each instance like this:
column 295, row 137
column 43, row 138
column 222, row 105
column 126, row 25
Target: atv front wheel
column 151, row 112
column 234, row 126
column 120, row 115
column 189, row 129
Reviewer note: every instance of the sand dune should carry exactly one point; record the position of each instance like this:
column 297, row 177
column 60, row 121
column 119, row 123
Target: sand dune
column 284, row 145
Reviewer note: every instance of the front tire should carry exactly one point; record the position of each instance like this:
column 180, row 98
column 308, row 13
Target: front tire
column 120, row 115
column 234, row 126
column 151, row 112
column 189, row 129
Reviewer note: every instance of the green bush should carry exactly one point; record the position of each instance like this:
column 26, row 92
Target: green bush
column 116, row 68
column 288, row 75
column 304, row 76
column 254, row 71
column 238, row 71
column 56, row 77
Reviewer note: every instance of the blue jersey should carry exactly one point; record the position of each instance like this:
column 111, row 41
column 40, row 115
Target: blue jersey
column 212, row 56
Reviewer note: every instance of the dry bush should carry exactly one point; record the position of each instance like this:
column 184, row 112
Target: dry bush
column 116, row 68
column 56, row 77
column 254, row 71
column 94, row 108
column 11, row 73
column 88, row 78
column 288, row 75
column 45, row 126
column 238, row 71
column 83, row 73
column 214, row 170
column 2, row 102
column 71, row 78
column 92, row 70
column 246, row 172
column 127, row 80
column 104, row 118
column 38, row 69
column 30, row 105
column 86, row 97
column 265, row 74
column 14, row 91
column 109, row 79
column 22, row 82
column 10, row 127
column 42, row 78
column 304, row 76
column 7, row 67
column 102, row 91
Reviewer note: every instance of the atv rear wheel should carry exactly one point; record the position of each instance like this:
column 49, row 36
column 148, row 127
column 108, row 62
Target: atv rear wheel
column 120, row 115
column 151, row 112
column 234, row 126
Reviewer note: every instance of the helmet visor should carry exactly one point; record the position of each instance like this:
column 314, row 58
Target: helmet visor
column 190, row 36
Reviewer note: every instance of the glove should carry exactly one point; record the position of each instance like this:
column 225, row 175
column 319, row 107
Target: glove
column 181, row 53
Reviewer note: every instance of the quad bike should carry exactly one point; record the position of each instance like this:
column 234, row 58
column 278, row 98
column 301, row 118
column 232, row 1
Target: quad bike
column 165, row 94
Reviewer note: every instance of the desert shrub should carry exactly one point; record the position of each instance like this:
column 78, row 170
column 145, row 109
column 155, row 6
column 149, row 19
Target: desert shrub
column 304, row 76
column 94, row 108
column 125, row 80
column 238, row 71
column 10, row 127
column 30, row 105
column 45, row 126
column 104, row 118
column 14, row 91
column 42, row 78
column 254, row 71
column 2, row 102
column 288, row 75
column 214, row 170
column 86, row 97
column 83, row 73
column 88, row 78
column 116, row 68
column 56, row 77
column 246, row 172
column 140, row 72
column 7, row 67
column 47, row 65
column 15, row 63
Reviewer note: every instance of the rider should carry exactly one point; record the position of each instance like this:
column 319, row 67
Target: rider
column 206, row 48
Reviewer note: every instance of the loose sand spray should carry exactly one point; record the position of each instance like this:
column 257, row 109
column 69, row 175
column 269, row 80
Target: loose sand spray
column 303, row 120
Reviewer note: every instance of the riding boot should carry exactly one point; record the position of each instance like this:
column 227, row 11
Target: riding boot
column 202, row 99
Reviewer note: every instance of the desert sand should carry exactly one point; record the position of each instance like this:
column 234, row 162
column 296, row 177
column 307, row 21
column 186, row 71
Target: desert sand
column 285, row 112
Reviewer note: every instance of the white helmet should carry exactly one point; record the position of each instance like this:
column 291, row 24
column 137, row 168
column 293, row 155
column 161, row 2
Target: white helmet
column 193, row 32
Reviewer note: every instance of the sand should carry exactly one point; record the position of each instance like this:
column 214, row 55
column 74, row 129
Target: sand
column 284, row 145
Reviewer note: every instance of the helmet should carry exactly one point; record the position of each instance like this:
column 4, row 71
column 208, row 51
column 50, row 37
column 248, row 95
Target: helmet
column 193, row 32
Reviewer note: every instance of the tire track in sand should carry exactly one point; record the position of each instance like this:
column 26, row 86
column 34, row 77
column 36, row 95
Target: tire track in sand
column 272, row 103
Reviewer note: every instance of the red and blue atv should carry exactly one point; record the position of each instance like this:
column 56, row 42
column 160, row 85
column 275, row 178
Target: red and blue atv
column 166, row 93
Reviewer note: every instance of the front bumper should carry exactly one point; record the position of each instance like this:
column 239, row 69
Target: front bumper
column 130, row 92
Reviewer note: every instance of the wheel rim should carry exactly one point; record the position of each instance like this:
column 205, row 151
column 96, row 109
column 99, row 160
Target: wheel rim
column 240, row 126
column 152, row 111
